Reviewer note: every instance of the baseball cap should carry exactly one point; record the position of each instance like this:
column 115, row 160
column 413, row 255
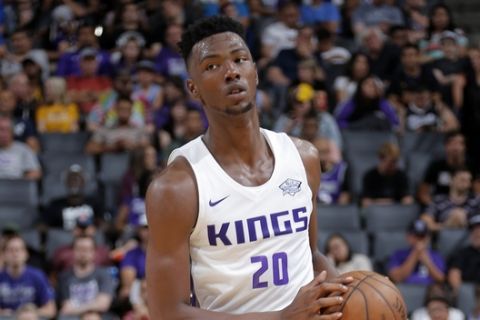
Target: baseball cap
column 142, row 221
column 474, row 221
column 418, row 228
column 448, row 35
column 88, row 52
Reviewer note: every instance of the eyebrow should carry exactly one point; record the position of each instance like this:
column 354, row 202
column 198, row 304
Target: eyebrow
column 211, row 56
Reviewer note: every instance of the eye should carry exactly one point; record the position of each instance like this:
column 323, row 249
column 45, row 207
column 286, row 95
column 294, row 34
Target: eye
column 241, row 60
column 211, row 67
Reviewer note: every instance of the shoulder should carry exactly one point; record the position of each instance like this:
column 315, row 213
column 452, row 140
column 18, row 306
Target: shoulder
column 308, row 152
column 172, row 195
column 35, row 273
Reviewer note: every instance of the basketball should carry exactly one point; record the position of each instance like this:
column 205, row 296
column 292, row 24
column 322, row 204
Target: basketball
column 371, row 296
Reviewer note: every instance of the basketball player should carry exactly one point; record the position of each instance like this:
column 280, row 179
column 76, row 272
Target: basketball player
column 235, row 208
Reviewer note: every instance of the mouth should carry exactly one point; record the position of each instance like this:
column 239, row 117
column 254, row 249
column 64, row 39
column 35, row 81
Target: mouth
column 236, row 90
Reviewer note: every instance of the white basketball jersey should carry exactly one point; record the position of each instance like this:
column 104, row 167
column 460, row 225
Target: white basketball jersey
column 250, row 247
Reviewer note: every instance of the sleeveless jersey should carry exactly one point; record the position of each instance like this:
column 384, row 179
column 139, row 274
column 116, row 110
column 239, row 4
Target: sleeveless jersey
column 250, row 248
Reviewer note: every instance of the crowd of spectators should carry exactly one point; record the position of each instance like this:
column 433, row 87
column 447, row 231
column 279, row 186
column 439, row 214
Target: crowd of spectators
column 110, row 71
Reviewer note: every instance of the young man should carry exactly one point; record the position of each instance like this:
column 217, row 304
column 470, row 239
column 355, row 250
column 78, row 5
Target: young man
column 235, row 208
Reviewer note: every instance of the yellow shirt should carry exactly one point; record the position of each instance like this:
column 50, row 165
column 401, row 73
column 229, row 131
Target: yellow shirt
column 61, row 118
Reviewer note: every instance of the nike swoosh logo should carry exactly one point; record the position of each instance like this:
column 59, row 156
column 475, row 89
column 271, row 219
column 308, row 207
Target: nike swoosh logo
column 214, row 203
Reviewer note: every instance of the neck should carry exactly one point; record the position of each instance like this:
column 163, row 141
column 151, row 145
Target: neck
column 413, row 70
column 458, row 196
column 15, row 271
column 230, row 141
column 83, row 270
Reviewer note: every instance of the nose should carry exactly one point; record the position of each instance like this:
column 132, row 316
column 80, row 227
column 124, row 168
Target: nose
column 231, row 73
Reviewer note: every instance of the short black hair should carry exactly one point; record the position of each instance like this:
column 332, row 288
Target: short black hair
column 205, row 28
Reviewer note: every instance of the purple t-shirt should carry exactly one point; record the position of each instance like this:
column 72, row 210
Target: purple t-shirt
column 31, row 287
column 135, row 258
column 420, row 273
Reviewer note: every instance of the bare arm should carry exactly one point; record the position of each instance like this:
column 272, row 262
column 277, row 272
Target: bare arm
column 48, row 310
column 455, row 278
column 311, row 162
column 171, row 219
column 400, row 273
column 100, row 304
column 127, row 278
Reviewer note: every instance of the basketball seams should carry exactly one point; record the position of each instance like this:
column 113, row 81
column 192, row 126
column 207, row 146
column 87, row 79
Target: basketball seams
column 383, row 297
column 353, row 290
column 365, row 303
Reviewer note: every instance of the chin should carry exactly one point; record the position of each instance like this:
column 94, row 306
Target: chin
column 240, row 109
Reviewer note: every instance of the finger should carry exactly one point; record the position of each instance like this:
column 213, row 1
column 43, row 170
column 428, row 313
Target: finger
column 343, row 280
column 319, row 279
column 324, row 303
column 327, row 288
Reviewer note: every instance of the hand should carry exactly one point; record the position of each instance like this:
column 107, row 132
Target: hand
column 315, row 297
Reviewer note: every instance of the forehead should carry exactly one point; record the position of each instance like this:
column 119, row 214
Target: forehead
column 217, row 44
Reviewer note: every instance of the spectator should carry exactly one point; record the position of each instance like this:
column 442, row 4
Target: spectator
column 148, row 91
column 24, row 128
column 281, row 34
column 367, row 109
column 69, row 61
column 438, row 174
column 132, row 267
column 283, row 70
column 463, row 265
column 17, row 159
column 131, row 211
column 63, row 212
column 334, row 178
column 142, row 162
column 452, row 210
column 410, row 74
column 328, row 127
column 378, row 13
column 57, row 115
column 168, row 62
column 321, row 13
column 188, row 123
column 20, row 86
column 332, row 57
column 415, row 17
column 449, row 70
column 128, row 17
column 299, row 106
column 129, row 45
column 438, row 305
column 85, row 287
column 85, row 89
column 440, row 20
column 427, row 113
column 386, row 183
column 346, row 85
column 64, row 257
column 384, row 56
column 417, row 264
column 104, row 113
column 22, row 284
column 339, row 251
column 21, row 48
column 123, row 137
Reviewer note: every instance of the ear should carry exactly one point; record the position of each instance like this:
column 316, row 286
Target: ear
column 193, row 89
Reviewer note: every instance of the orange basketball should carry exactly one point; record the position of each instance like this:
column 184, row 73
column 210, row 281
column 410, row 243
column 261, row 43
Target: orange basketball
column 371, row 296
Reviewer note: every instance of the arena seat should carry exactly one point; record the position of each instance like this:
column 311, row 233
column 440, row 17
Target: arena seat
column 63, row 142
column 414, row 295
column 394, row 217
column 449, row 240
column 338, row 217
